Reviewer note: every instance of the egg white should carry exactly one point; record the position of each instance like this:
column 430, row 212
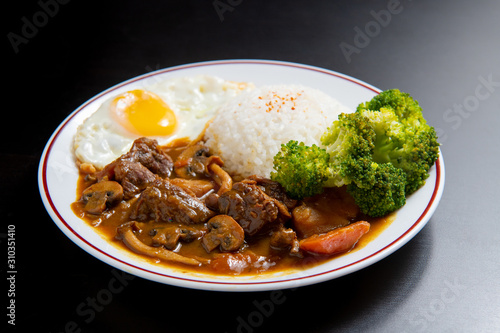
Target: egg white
column 99, row 140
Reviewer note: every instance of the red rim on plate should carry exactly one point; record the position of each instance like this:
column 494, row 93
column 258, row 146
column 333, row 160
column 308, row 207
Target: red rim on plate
column 225, row 284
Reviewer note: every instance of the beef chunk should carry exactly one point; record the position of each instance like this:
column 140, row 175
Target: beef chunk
column 275, row 190
column 284, row 238
column 138, row 168
column 253, row 209
column 162, row 201
column 147, row 152
column 133, row 176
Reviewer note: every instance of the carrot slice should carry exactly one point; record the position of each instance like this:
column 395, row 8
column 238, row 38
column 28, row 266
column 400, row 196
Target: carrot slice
column 336, row 241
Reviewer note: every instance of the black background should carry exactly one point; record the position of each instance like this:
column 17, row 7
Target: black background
column 446, row 279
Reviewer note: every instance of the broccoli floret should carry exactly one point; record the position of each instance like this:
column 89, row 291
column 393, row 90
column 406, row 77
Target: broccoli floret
column 405, row 107
column 406, row 140
column 382, row 152
column 351, row 141
column 301, row 169
column 387, row 193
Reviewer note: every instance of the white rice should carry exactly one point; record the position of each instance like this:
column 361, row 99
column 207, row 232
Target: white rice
column 248, row 131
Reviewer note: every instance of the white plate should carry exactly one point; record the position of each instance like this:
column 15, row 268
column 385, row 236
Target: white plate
column 57, row 179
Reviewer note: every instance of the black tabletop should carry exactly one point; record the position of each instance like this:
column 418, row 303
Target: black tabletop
column 444, row 53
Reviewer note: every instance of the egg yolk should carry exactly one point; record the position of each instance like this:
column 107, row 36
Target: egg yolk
column 143, row 113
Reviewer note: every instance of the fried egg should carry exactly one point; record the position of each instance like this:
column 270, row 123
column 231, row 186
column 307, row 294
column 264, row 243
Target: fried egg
column 167, row 110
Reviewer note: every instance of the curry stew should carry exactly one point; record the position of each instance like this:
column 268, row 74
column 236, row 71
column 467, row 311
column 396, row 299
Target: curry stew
column 176, row 206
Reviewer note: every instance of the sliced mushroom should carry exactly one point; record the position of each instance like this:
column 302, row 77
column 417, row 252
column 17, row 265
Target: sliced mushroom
column 171, row 236
column 196, row 187
column 221, row 177
column 99, row 196
column 191, row 162
column 168, row 237
column 224, row 232
column 126, row 234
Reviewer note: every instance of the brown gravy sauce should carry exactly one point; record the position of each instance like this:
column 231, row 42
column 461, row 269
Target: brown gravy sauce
column 254, row 257
column 262, row 257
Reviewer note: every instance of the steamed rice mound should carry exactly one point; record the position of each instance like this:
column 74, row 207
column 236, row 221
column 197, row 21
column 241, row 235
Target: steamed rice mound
column 248, row 131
